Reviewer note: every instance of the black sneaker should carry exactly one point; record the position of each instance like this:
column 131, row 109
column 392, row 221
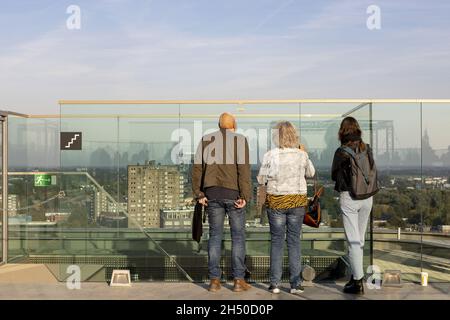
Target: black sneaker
column 357, row 287
column 274, row 289
column 350, row 282
column 297, row 290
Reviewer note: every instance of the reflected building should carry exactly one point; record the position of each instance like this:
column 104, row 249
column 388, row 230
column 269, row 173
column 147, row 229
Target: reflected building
column 176, row 219
column 429, row 157
column 104, row 204
column 152, row 188
column 13, row 204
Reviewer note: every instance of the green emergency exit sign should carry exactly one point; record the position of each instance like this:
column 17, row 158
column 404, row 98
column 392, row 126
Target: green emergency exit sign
column 42, row 180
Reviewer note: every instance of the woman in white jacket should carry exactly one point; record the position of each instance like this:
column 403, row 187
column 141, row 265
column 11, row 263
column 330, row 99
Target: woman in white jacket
column 283, row 170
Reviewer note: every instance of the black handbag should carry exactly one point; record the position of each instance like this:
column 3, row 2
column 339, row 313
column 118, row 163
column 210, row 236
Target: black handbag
column 197, row 222
column 199, row 217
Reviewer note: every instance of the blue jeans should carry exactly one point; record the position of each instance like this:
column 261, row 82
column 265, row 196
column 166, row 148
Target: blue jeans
column 355, row 216
column 290, row 220
column 216, row 211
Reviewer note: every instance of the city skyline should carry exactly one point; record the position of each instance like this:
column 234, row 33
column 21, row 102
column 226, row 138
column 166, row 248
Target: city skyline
column 107, row 154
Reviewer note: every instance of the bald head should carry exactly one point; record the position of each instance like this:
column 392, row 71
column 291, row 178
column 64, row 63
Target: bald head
column 227, row 121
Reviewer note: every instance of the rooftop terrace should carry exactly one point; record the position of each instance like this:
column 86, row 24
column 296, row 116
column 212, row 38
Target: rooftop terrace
column 92, row 182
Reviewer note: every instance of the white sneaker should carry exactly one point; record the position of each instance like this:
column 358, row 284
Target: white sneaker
column 274, row 289
column 297, row 290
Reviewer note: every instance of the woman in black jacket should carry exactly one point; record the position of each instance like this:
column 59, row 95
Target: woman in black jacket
column 355, row 213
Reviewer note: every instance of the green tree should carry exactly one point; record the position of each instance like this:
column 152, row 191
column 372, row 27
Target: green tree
column 396, row 222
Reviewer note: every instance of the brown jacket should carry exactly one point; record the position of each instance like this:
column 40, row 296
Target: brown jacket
column 222, row 160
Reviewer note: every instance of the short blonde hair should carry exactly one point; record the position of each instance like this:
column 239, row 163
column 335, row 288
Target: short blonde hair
column 285, row 135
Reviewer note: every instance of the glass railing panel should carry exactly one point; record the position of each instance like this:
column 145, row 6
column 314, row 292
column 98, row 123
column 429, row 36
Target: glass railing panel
column 156, row 187
column 88, row 149
column 177, row 213
column 33, row 144
column 319, row 126
column 397, row 212
column 33, row 158
column 255, row 122
column 363, row 113
column 82, row 215
column 124, row 155
column 31, row 205
column 435, row 205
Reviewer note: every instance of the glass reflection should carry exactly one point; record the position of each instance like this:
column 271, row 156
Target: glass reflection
column 127, row 193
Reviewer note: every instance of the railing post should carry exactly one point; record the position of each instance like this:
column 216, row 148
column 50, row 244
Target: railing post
column 4, row 120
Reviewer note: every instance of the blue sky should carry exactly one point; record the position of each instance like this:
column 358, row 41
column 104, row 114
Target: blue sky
column 210, row 49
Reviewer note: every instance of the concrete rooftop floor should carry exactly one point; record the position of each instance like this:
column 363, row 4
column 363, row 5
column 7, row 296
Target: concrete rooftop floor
column 188, row 291
column 35, row 282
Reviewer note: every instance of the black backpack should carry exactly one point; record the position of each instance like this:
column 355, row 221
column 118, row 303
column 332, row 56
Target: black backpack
column 364, row 177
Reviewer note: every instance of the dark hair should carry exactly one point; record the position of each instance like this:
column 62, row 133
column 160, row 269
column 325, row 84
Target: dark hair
column 350, row 134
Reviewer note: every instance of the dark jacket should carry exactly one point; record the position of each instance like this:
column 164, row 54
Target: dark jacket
column 341, row 169
column 228, row 169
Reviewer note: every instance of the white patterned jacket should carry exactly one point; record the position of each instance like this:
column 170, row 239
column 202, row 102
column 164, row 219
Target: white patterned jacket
column 284, row 171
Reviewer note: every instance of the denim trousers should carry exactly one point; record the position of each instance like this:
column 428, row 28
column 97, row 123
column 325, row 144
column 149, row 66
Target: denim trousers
column 285, row 224
column 216, row 210
column 355, row 216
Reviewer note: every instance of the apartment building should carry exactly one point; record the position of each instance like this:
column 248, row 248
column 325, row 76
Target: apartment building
column 152, row 188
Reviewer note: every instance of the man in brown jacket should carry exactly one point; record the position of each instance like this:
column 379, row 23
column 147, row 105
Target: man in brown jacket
column 221, row 181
